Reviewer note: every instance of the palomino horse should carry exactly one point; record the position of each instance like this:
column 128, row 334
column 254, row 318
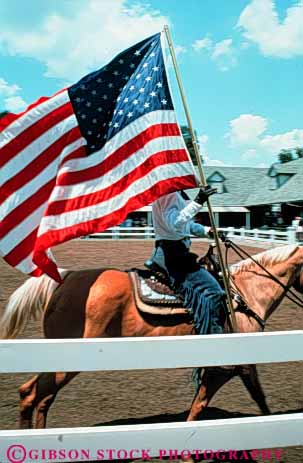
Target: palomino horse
column 100, row 303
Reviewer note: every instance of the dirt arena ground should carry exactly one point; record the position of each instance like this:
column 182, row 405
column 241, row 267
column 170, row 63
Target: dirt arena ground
column 152, row 395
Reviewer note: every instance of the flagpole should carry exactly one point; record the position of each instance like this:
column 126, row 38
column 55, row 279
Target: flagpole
column 202, row 178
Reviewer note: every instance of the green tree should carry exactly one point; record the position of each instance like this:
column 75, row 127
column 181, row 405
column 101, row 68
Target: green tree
column 299, row 152
column 188, row 141
column 3, row 113
column 285, row 156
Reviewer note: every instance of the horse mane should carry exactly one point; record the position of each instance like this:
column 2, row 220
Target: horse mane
column 265, row 258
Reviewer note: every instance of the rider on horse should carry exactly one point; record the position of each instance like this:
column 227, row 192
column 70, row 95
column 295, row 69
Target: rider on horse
column 173, row 224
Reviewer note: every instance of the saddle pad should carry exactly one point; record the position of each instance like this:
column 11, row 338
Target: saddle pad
column 154, row 297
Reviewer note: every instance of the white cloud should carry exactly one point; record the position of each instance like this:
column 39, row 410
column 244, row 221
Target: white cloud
column 288, row 140
column 222, row 53
column 246, row 129
column 11, row 101
column 201, row 44
column 72, row 43
column 260, row 24
column 14, row 104
column 249, row 131
column 7, row 90
column 249, row 154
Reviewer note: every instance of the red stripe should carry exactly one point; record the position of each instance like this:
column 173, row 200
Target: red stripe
column 36, row 273
column 156, row 160
column 22, row 249
column 122, row 153
column 34, row 131
column 11, row 117
column 19, row 213
column 37, row 165
column 53, row 237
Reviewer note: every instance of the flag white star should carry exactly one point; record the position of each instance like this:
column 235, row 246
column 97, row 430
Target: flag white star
column 116, row 125
column 152, row 93
column 119, row 98
column 137, row 52
column 121, row 61
column 135, row 102
column 99, row 80
column 141, row 89
column 110, row 85
column 120, row 112
column 132, row 87
column 100, row 109
column 155, row 68
column 146, row 105
column 145, row 65
column 88, row 104
column 94, row 121
column 129, row 114
column 132, row 65
column 125, row 100
column 138, row 76
column 83, row 116
column 104, row 97
column 116, row 73
column 159, row 84
column 152, row 54
column 148, row 79
column 164, row 101
column 94, row 92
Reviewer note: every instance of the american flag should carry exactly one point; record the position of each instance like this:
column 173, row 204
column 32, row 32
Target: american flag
column 80, row 161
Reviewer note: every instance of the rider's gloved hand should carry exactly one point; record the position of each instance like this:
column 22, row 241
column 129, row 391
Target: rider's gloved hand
column 204, row 193
column 220, row 233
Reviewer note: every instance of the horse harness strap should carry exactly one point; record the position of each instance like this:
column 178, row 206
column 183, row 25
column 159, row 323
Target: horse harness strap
column 293, row 298
column 242, row 307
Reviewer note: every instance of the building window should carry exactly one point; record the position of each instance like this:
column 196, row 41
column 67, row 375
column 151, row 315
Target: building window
column 216, row 180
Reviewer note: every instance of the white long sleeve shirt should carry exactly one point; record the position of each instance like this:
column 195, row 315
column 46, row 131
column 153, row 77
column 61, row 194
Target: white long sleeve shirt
column 172, row 218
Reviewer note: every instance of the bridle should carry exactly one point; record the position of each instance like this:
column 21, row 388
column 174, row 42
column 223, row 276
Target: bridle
column 238, row 297
column 289, row 293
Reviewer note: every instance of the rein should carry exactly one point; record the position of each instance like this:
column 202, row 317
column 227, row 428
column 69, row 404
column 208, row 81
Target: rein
column 294, row 297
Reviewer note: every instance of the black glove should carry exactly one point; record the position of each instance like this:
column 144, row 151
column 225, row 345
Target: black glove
column 204, row 193
column 220, row 234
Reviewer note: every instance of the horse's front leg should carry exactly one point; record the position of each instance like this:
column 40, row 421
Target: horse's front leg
column 213, row 378
column 250, row 378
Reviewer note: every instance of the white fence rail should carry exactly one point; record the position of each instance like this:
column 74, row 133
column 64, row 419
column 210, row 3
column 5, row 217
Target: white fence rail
column 145, row 353
column 288, row 236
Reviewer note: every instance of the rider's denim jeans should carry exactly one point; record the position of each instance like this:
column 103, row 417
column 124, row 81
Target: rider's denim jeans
column 203, row 294
column 201, row 291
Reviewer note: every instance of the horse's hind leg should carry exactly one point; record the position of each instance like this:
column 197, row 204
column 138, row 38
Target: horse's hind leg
column 48, row 385
column 249, row 376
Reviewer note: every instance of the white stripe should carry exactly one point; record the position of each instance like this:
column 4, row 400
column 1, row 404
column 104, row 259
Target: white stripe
column 31, row 117
column 26, row 191
column 26, row 265
column 117, row 173
column 22, row 230
column 33, row 150
column 66, row 219
column 124, row 136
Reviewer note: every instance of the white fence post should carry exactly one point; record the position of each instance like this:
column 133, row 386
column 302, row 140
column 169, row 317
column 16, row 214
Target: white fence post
column 291, row 235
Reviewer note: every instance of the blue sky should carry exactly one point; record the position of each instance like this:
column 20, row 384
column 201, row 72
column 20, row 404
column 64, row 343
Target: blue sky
column 240, row 61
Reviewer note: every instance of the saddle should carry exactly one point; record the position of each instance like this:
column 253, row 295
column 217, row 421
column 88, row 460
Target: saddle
column 153, row 292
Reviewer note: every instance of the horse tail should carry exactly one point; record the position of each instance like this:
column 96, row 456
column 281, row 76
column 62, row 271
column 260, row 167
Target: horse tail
column 28, row 301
